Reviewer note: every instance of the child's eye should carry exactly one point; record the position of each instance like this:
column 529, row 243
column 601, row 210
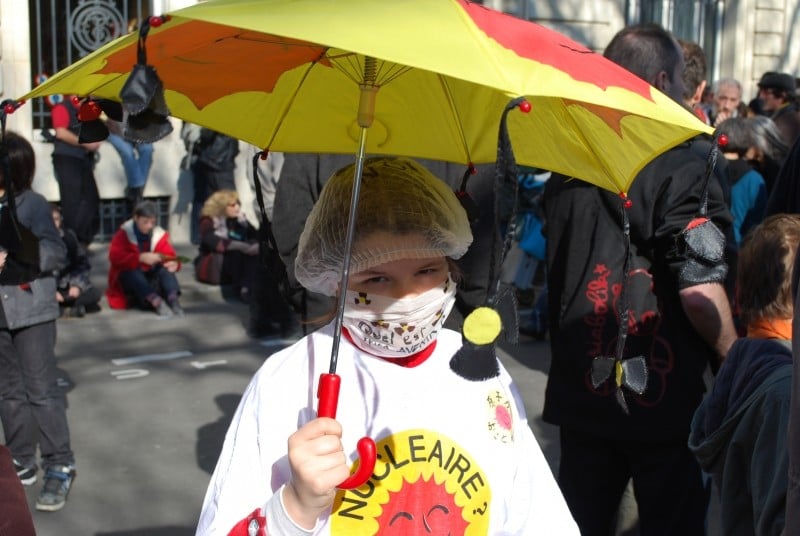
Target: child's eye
column 376, row 279
column 430, row 270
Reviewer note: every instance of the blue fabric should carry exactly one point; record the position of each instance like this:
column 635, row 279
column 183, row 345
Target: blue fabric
column 136, row 159
column 532, row 240
column 748, row 203
column 739, row 436
column 141, row 285
column 748, row 363
column 142, row 240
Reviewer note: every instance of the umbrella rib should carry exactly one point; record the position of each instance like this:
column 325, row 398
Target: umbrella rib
column 289, row 102
column 351, row 66
column 454, row 110
column 111, row 81
column 577, row 129
column 392, row 72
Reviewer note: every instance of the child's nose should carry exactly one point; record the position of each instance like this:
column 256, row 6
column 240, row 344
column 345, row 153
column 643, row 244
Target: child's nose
column 405, row 289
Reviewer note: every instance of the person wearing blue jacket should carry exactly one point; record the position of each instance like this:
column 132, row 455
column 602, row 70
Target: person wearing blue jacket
column 739, row 432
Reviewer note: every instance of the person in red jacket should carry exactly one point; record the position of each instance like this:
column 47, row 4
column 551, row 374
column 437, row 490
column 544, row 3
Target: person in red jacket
column 143, row 265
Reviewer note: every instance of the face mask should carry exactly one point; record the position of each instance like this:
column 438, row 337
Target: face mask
column 392, row 328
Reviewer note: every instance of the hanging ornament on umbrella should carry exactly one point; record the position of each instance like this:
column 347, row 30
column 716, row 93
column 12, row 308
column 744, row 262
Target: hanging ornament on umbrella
column 143, row 95
column 703, row 245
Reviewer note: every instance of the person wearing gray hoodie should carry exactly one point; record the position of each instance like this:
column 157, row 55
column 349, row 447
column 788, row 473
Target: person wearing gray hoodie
column 739, row 431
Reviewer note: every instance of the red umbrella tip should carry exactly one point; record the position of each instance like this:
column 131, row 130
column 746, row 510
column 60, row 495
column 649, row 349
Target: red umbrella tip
column 89, row 111
column 156, row 21
column 76, row 100
column 627, row 203
column 525, row 106
column 722, row 141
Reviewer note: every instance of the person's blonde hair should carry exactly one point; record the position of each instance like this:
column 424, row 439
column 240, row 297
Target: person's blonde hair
column 764, row 269
column 216, row 204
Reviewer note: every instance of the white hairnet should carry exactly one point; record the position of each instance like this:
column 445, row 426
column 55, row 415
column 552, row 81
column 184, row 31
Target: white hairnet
column 404, row 212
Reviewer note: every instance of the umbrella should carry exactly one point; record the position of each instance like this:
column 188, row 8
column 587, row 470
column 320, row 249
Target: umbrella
column 284, row 75
column 432, row 79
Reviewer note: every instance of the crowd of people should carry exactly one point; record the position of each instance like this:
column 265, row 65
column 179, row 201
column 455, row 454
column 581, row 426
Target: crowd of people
column 705, row 287
column 688, row 291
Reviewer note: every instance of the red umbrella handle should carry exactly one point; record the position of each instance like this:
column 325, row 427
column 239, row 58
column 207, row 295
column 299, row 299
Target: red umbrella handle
column 328, row 395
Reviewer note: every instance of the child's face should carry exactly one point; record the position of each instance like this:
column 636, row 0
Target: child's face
column 405, row 278
column 145, row 224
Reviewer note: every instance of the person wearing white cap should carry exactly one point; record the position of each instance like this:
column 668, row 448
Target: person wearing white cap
column 454, row 454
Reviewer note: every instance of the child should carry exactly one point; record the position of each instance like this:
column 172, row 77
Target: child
column 739, row 431
column 143, row 265
column 454, row 456
column 33, row 408
column 75, row 293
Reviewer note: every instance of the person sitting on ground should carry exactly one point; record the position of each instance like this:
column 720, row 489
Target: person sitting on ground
column 739, row 431
column 476, row 470
column 75, row 293
column 230, row 255
column 143, row 265
column 228, row 244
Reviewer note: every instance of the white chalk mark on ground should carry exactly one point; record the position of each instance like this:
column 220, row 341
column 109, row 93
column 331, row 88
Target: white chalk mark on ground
column 129, row 374
column 150, row 357
column 206, row 364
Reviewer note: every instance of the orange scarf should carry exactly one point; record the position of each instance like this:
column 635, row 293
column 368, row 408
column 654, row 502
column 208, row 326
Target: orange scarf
column 775, row 328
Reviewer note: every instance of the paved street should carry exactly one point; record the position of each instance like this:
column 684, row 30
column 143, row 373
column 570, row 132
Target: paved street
column 150, row 400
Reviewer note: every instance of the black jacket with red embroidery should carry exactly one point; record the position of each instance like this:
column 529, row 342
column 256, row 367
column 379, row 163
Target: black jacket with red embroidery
column 585, row 259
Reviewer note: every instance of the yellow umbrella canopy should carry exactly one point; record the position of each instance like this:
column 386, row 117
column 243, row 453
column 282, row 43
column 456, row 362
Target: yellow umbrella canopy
column 288, row 75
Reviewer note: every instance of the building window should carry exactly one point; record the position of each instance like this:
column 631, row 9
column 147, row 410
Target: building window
column 114, row 212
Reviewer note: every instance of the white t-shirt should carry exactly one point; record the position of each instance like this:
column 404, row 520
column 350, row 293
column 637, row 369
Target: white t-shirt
column 452, row 454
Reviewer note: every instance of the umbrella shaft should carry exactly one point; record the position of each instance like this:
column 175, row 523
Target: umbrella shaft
column 348, row 246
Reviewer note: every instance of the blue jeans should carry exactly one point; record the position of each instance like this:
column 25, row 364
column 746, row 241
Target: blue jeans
column 136, row 159
column 140, row 284
column 31, row 403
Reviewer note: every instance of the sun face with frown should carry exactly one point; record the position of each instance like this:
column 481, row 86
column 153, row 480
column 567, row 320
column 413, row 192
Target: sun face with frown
column 423, row 484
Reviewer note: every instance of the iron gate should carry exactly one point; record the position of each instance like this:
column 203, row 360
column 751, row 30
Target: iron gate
column 64, row 31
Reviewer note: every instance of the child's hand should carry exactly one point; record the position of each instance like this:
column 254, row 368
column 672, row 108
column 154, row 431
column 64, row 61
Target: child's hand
column 318, row 464
column 149, row 257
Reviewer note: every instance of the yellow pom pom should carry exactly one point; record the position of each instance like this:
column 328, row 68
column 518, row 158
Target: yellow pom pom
column 482, row 326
